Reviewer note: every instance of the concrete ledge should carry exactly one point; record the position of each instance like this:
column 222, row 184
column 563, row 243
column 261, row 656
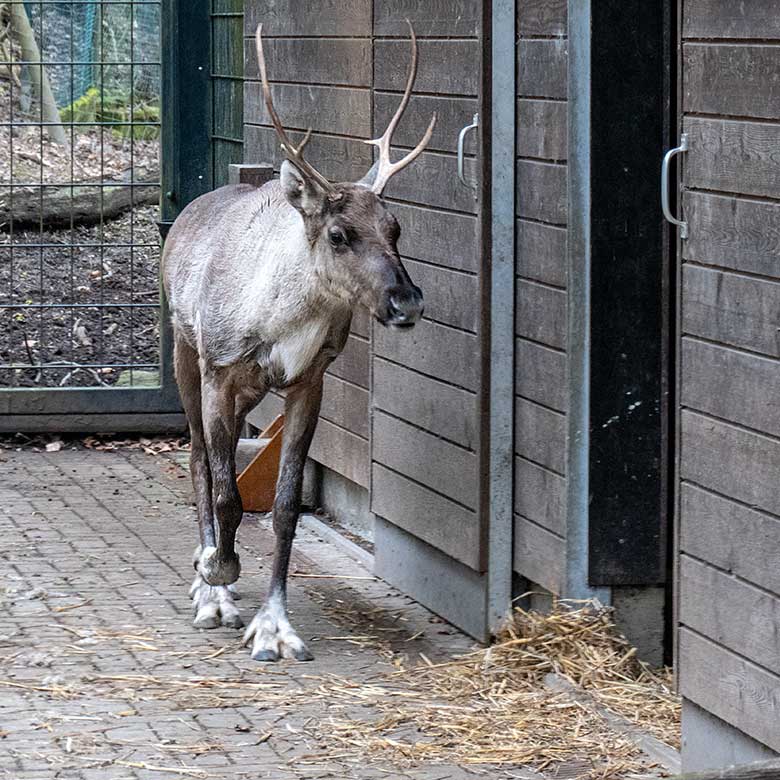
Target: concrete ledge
column 328, row 534
column 93, row 423
column 347, row 502
column 639, row 614
column 710, row 743
column 437, row 581
column 656, row 750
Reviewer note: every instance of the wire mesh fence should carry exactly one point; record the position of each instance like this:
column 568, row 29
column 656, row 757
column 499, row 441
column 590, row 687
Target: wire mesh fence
column 79, row 193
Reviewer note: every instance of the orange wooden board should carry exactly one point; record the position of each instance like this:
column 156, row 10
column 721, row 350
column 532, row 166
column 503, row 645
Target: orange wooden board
column 257, row 482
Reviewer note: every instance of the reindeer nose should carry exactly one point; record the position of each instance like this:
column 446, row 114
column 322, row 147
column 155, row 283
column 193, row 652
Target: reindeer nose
column 404, row 309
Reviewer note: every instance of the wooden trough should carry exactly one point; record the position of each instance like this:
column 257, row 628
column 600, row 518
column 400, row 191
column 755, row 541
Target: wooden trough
column 257, row 480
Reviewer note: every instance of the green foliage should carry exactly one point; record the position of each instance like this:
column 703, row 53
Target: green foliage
column 113, row 106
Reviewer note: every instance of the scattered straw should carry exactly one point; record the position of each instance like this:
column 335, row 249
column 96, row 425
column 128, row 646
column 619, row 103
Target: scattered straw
column 491, row 707
column 73, row 606
column 174, row 770
column 303, row 576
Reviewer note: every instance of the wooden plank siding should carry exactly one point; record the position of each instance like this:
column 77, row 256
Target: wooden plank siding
column 425, row 434
column 541, row 297
column 341, row 70
column 729, row 424
column 320, row 66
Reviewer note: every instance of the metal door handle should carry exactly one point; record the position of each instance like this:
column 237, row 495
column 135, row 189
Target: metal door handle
column 683, row 147
column 461, row 143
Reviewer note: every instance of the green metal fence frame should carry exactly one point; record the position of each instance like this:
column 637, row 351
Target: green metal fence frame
column 186, row 173
column 227, row 85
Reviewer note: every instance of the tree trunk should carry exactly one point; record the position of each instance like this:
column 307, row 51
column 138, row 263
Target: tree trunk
column 57, row 209
column 20, row 24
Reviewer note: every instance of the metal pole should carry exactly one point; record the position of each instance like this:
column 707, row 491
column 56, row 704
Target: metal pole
column 578, row 336
column 502, row 312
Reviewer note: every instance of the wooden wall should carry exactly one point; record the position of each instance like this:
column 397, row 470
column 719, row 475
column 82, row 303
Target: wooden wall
column 729, row 644
column 343, row 72
column 540, row 355
column 320, row 65
column 425, row 435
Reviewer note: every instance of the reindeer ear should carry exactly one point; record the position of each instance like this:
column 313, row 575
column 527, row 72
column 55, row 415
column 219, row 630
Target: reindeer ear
column 301, row 192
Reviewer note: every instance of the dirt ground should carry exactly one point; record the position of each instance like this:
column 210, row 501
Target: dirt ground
column 108, row 270
column 89, row 265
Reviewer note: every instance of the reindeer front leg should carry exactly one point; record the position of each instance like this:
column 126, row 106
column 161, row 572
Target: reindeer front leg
column 270, row 631
column 219, row 565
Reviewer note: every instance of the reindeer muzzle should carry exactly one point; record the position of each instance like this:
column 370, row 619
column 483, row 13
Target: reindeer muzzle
column 404, row 307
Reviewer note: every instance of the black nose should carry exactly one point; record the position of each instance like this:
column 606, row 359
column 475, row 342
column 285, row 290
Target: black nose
column 405, row 308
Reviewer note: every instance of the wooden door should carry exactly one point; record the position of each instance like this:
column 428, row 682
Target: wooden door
column 729, row 380
column 426, row 384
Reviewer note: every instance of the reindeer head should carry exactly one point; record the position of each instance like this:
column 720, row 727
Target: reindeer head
column 352, row 234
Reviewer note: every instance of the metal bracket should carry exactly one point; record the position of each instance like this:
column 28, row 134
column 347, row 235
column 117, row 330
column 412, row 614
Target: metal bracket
column 671, row 218
column 164, row 225
column 461, row 144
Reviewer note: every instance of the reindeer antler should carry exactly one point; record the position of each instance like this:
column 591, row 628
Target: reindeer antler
column 295, row 154
column 386, row 168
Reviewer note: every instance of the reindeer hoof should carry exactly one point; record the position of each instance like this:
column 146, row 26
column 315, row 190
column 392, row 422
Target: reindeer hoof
column 303, row 654
column 214, row 605
column 265, row 655
column 216, row 570
column 273, row 637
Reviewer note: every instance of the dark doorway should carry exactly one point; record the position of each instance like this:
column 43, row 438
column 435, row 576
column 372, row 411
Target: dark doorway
column 631, row 322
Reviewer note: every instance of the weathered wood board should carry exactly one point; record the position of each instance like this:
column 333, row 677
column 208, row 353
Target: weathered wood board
column 541, row 553
column 541, row 17
column 730, row 686
column 540, row 374
column 541, row 68
column 540, row 435
column 727, row 19
column 729, row 423
column 541, row 362
column 732, row 309
column 732, row 156
column 541, row 129
column 442, row 409
column 541, row 314
column 731, row 536
column 450, row 527
column 540, row 496
column 738, row 615
column 748, row 82
column 541, row 252
column 731, row 232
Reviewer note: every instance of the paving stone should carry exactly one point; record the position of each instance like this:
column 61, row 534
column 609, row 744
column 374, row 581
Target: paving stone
column 108, row 642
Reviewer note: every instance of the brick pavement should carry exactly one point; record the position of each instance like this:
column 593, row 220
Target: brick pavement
column 103, row 675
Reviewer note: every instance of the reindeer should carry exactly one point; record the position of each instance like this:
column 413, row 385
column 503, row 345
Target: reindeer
column 262, row 284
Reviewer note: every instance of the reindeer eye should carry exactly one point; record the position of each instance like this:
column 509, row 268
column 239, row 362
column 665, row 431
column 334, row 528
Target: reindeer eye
column 337, row 236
